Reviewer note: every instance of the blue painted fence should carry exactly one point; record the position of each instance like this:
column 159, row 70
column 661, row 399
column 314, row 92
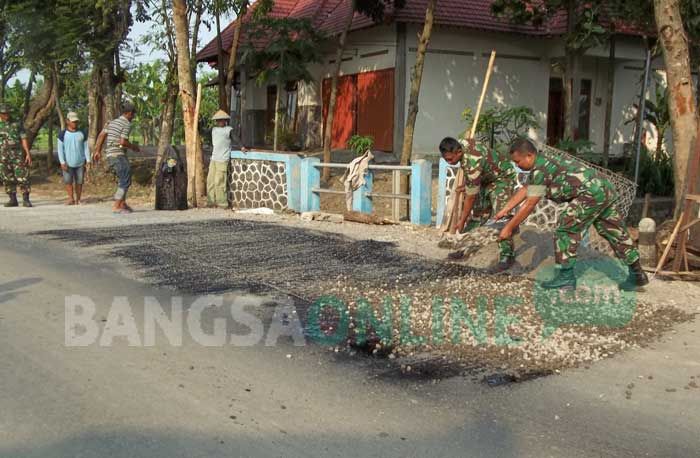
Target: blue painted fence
column 304, row 175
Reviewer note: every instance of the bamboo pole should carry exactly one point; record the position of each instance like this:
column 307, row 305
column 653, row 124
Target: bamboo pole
column 195, row 126
column 454, row 202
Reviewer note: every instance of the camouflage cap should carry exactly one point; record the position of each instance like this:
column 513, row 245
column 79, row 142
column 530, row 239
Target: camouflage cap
column 4, row 108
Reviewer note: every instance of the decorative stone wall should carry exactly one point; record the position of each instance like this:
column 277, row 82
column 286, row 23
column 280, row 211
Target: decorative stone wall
column 257, row 183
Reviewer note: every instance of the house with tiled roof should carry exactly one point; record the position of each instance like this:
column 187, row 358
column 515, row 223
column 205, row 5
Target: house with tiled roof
column 377, row 65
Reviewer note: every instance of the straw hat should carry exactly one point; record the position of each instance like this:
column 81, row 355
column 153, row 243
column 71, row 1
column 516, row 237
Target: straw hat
column 221, row 115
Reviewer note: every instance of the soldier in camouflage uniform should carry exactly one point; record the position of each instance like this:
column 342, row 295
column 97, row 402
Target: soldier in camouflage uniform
column 485, row 173
column 14, row 166
column 591, row 201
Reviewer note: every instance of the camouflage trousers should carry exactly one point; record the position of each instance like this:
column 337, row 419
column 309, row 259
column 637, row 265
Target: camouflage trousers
column 492, row 198
column 593, row 207
column 14, row 172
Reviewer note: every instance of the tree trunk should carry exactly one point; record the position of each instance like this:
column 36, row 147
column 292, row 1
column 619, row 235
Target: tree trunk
column 198, row 10
column 609, row 102
column 28, row 93
column 94, row 106
column 416, row 78
column 278, row 98
column 223, row 103
column 233, row 55
column 187, row 96
column 109, row 93
column 40, row 108
column 328, row 125
column 681, row 98
column 49, row 152
column 168, row 122
column 570, row 76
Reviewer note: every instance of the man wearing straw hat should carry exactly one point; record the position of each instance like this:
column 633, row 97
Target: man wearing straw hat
column 224, row 140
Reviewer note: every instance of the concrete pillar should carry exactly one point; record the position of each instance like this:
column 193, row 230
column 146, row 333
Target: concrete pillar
column 294, row 179
column 421, row 192
column 361, row 202
column 442, row 192
column 310, row 179
column 647, row 242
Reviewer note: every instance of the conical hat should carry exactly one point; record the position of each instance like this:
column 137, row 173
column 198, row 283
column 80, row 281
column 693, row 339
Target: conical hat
column 221, row 114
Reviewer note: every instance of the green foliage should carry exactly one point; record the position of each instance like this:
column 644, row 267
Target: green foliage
column 585, row 149
column 655, row 173
column 587, row 30
column 656, row 113
column 291, row 45
column 361, row 144
column 502, row 124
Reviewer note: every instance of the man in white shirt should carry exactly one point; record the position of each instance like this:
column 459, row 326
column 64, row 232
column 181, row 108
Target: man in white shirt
column 74, row 156
column 224, row 140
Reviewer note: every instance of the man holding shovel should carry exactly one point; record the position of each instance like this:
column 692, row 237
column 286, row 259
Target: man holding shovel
column 485, row 171
column 590, row 201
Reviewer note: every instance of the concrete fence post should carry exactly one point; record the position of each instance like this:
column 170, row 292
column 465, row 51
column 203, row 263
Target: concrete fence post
column 361, row 202
column 421, row 192
column 310, row 179
column 442, row 192
column 294, row 180
column 647, row 242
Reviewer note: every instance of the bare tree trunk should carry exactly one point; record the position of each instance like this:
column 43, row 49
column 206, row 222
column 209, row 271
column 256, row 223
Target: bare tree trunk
column 168, row 122
column 416, row 78
column 49, row 152
column 109, row 93
column 198, row 10
column 570, row 96
column 187, row 96
column 609, row 102
column 221, row 69
column 94, row 107
column 681, row 98
column 278, row 98
column 28, row 93
column 328, row 132
column 40, row 108
column 233, row 55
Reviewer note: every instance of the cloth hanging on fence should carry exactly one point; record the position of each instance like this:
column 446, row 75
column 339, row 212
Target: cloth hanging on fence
column 354, row 176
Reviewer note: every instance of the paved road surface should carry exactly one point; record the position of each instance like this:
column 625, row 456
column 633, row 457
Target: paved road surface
column 194, row 401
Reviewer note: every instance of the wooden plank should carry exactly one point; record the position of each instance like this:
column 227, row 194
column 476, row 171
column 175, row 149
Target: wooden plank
column 669, row 245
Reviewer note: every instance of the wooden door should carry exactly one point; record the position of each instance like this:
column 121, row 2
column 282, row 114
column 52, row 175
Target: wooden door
column 375, row 107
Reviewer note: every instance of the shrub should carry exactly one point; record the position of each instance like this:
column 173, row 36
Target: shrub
column 360, row 144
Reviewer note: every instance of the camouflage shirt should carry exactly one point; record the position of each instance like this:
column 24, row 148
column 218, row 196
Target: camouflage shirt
column 484, row 168
column 10, row 136
column 561, row 179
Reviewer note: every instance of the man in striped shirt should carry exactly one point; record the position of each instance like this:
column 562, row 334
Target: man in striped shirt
column 115, row 139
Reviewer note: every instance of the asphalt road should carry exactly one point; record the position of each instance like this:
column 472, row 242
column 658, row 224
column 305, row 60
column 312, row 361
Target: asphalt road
column 297, row 401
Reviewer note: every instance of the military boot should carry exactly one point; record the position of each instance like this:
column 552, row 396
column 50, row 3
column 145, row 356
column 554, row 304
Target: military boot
column 13, row 200
column 25, row 200
column 564, row 280
column 504, row 263
column 636, row 278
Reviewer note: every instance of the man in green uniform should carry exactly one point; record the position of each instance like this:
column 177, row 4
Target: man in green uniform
column 484, row 172
column 14, row 165
column 591, row 201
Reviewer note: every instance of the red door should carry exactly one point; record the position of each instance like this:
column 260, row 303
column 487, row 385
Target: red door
column 375, row 107
column 345, row 110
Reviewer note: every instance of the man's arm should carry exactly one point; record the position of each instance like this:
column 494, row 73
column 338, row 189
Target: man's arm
column 519, row 217
column 236, row 144
column 27, row 154
column 469, row 200
column 98, row 146
column 125, row 143
column 62, row 155
column 514, row 201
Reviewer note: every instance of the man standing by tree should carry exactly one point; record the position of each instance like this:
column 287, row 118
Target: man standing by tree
column 224, row 140
column 73, row 154
column 14, row 169
column 116, row 136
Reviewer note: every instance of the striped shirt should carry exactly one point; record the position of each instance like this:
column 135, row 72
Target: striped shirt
column 117, row 130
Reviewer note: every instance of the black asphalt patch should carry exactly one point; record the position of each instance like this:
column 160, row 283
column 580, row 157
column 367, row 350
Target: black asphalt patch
column 234, row 255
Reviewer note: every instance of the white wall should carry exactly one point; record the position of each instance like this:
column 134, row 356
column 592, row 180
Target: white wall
column 453, row 75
